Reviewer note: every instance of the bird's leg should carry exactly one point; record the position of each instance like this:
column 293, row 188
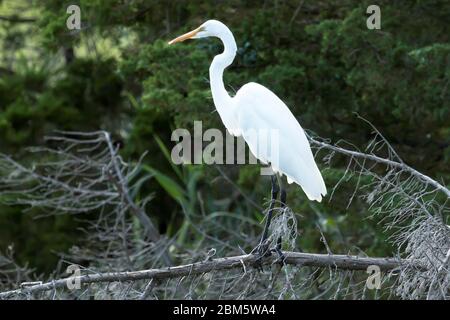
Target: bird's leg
column 281, row 256
column 283, row 197
column 265, row 235
column 262, row 248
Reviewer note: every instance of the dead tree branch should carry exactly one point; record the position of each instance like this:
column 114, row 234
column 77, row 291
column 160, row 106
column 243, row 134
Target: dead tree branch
column 399, row 165
column 411, row 207
column 81, row 172
column 343, row 262
column 122, row 186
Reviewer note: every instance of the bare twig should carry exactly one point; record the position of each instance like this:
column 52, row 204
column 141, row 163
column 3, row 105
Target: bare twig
column 17, row 19
column 412, row 210
column 402, row 166
column 83, row 173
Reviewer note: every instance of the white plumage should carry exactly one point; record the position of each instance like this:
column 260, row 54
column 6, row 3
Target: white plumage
column 258, row 107
column 254, row 112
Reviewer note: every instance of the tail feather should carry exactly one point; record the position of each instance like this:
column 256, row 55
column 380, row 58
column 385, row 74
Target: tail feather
column 315, row 195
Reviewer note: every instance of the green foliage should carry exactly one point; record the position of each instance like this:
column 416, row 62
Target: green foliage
column 33, row 102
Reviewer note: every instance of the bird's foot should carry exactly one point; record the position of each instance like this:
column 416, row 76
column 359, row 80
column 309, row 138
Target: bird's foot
column 281, row 260
column 261, row 252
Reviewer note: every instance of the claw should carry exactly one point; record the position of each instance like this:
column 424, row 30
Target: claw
column 281, row 257
column 261, row 252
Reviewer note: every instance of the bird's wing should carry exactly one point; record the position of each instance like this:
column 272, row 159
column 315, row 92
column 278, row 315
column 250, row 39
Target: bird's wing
column 274, row 136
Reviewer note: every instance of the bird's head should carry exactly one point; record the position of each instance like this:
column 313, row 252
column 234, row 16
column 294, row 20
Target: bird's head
column 211, row 28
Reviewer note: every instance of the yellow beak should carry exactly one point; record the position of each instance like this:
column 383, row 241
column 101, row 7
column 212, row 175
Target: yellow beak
column 185, row 36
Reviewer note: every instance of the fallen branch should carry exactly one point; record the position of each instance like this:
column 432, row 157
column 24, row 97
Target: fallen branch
column 343, row 262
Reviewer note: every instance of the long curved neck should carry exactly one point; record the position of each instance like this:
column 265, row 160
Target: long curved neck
column 220, row 95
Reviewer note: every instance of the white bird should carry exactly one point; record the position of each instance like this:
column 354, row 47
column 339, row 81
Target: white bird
column 255, row 108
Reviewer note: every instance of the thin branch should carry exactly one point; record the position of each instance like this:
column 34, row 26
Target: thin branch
column 296, row 12
column 122, row 188
column 385, row 161
column 16, row 19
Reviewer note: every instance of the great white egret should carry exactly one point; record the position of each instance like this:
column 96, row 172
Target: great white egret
column 254, row 107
